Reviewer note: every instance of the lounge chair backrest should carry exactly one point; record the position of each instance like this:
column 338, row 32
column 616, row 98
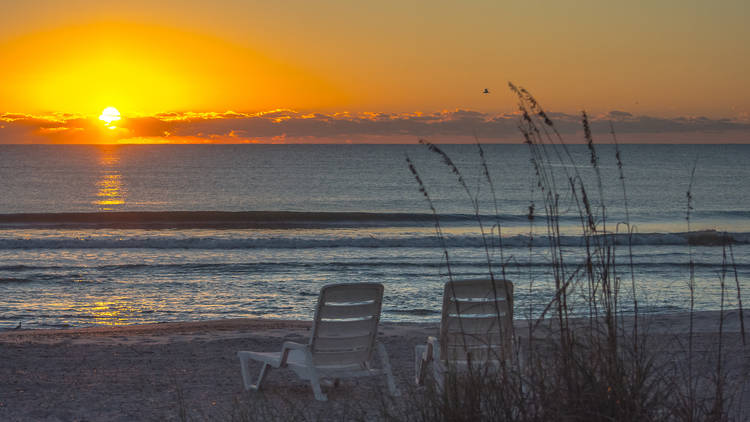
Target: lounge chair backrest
column 346, row 323
column 477, row 320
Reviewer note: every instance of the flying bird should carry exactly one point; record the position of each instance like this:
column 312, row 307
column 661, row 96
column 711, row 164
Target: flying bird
column 486, row 91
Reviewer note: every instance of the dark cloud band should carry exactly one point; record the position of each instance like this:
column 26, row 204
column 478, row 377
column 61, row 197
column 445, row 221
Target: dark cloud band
column 288, row 125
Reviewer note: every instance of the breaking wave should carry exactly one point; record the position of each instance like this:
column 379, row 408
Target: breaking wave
column 295, row 240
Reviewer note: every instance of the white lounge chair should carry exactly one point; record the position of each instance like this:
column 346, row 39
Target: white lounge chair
column 476, row 327
column 341, row 344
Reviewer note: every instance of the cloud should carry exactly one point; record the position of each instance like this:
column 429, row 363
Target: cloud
column 619, row 115
column 289, row 126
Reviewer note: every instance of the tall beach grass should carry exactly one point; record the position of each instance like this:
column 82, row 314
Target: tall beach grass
column 601, row 366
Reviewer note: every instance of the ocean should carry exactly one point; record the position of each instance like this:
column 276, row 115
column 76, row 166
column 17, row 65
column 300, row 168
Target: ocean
column 110, row 235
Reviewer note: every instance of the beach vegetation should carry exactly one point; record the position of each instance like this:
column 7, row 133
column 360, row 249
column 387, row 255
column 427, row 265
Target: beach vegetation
column 599, row 363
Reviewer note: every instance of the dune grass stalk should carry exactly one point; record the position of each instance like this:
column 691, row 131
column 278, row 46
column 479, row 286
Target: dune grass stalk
column 728, row 245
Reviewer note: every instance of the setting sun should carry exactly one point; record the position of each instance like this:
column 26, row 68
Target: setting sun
column 109, row 115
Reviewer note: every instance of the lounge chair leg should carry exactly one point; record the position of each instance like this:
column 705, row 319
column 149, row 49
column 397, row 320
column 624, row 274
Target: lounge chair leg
column 388, row 372
column 314, row 378
column 439, row 374
column 245, row 372
column 420, row 364
column 261, row 377
column 317, row 390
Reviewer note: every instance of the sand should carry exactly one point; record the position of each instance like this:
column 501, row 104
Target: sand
column 174, row 371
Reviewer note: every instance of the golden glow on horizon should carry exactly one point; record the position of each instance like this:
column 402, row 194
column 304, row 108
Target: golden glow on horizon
column 147, row 69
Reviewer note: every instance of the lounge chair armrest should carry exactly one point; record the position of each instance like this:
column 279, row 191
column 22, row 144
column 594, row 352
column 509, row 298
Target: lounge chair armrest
column 429, row 348
column 433, row 347
column 424, row 355
column 293, row 346
column 289, row 346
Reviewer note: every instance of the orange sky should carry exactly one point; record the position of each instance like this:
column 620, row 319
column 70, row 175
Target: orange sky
column 328, row 61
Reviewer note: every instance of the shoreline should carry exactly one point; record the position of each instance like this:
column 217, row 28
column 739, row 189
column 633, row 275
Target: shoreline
column 665, row 322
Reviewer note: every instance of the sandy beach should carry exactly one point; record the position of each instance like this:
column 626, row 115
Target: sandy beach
column 189, row 370
column 145, row 372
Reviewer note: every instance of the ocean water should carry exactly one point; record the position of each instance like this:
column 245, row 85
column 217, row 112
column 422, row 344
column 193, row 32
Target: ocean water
column 93, row 235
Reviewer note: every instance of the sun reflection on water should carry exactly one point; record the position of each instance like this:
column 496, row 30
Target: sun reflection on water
column 111, row 192
column 108, row 313
column 111, row 312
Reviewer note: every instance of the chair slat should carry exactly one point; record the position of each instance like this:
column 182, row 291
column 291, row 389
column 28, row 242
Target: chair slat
column 360, row 310
column 488, row 307
column 478, row 289
column 478, row 354
column 353, row 292
column 493, row 340
column 346, row 328
column 474, row 325
column 342, row 344
column 341, row 358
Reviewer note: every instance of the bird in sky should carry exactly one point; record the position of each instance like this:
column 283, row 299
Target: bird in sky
column 486, row 91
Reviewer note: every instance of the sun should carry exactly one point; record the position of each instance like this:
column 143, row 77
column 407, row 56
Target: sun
column 109, row 115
